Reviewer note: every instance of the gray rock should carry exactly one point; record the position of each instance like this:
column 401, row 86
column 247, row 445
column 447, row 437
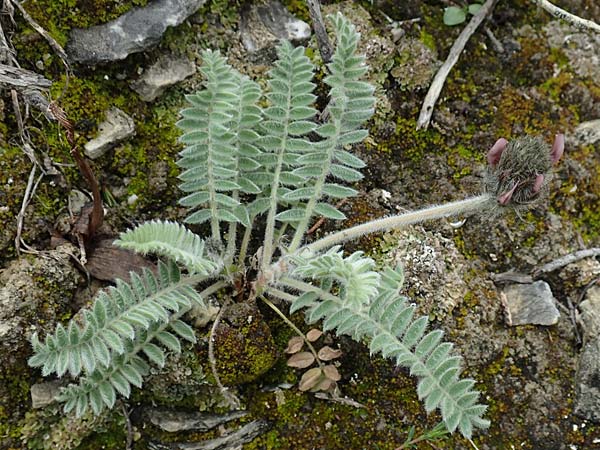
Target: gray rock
column 587, row 403
column 590, row 313
column 167, row 71
column 530, row 304
column 117, row 127
column 42, row 394
column 135, row 31
column 263, row 25
column 586, row 133
column 173, row 421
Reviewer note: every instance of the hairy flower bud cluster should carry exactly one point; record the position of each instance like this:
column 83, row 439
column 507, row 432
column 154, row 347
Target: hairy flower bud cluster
column 519, row 171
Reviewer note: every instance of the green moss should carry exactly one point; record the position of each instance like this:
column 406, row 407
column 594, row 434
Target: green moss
column 58, row 17
column 428, row 40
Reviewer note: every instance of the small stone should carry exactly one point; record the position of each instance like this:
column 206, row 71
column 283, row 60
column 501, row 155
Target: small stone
column 529, row 304
column 263, row 25
column 168, row 70
column 132, row 199
column 117, row 127
column 42, row 394
column 135, row 31
column 587, row 403
column 590, row 313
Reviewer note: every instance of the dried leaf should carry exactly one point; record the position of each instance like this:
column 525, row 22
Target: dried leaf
column 327, row 353
column 301, row 360
column 313, row 335
column 310, row 379
column 295, row 344
column 324, row 385
column 331, row 373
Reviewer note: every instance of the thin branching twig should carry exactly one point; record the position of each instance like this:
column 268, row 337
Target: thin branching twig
column 325, row 47
column 440, row 77
column 578, row 22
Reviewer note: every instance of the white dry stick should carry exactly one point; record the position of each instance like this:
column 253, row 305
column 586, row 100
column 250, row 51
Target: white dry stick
column 567, row 16
column 440, row 77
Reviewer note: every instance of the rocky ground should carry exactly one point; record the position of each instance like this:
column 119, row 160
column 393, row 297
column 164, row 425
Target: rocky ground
column 525, row 318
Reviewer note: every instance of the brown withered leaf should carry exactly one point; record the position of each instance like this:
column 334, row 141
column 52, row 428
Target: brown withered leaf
column 295, row 344
column 313, row 335
column 301, row 360
column 332, row 373
column 109, row 262
column 327, row 353
column 310, row 379
column 325, row 384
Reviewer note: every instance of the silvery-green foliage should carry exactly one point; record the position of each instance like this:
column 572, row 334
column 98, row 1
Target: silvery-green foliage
column 388, row 322
column 248, row 155
column 103, row 345
column 170, row 240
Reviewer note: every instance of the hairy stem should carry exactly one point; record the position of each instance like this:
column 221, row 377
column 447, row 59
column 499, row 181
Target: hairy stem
column 466, row 206
column 245, row 243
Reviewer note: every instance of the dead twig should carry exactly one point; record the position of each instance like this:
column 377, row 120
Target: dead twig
column 325, row 47
column 494, row 40
column 129, row 442
column 440, row 77
column 566, row 260
column 578, row 22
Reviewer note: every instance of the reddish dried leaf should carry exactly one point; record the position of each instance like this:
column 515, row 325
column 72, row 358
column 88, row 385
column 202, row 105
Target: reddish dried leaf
column 310, row 379
column 327, row 353
column 295, row 344
column 313, row 335
column 301, row 360
column 332, row 373
column 108, row 262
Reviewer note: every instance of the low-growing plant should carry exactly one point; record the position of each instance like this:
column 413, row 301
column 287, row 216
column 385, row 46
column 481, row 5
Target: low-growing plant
column 257, row 168
column 455, row 15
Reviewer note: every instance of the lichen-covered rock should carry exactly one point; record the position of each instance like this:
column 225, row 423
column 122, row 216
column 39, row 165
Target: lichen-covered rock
column 50, row 429
column 135, row 31
column 580, row 46
column 244, row 346
column 35, row 293
column 433, row 268
column 416, row 66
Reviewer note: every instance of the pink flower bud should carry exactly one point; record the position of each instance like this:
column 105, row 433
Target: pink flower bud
column 495, row 152
column 558, row 148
